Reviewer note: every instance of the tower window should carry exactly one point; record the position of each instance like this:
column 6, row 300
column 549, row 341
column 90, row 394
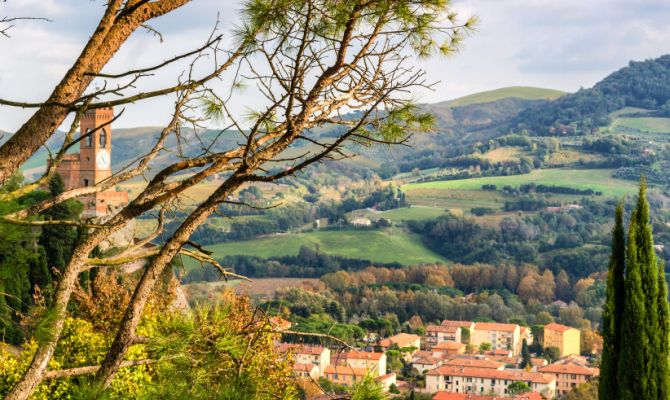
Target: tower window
column 85, row 182
column 103, row 138
column 89, row 138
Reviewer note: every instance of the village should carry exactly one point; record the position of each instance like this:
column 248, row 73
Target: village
column 490, row 364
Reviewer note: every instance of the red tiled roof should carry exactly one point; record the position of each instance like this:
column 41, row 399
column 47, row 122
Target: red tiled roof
column 569, row 368
column 449, row 345
column 422, row 354
column 489, row 373
column 466, row 324
column 442, row 328
column 529, row 396
column 495, row 326
column 460, row 396
column 401, row 339
column 427, row 360
column 303, row 367
column 557, row 327
column 475, row 363
column 364, row 355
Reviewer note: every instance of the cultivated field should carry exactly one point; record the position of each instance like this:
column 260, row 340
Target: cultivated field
column 383, row 246
column 653, row 125
column 596, row 179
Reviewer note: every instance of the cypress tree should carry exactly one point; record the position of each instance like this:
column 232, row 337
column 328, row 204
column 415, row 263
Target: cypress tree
column 646, row 258
column 631, row 373
column 662, row 368
column 612, row 311
column 526, row 361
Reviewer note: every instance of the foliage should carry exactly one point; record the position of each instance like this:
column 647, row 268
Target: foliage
column 219, row 351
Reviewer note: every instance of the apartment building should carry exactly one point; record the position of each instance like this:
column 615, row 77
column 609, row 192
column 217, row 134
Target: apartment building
column 303, row 354
column 375, row 362
column 566, row 338
column 486, row 381
column 501, row 336
column 569, row 375
column 436, row 334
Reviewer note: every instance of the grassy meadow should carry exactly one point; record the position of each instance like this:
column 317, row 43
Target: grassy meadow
column 383, row 246
column 596, row 179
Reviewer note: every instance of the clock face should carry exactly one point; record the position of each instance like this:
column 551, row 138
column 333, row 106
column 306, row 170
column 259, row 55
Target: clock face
column 102, row 159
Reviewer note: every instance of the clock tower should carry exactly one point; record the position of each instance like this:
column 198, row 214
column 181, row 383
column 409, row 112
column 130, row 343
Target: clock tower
column 95, row 147
column 92, row 164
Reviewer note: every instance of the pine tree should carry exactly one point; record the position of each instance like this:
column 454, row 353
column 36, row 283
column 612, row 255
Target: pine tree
column 662, row 368
column 631, row 374
column 646, row 258
column 612, row 310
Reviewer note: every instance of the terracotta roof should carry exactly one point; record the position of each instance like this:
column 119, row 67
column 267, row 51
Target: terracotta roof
column 504, row 359
column 449, row 345
column 495, row 326
column 466, row 324
column 489, row 373
column 427, row 360
column 569, row 368
column 538, row 361
column 460, row 396
column 299, row 349
column 529, row 396
column 498, row 352
column 422, row 354
column 363, row 355
column 341, row 370
column 385, row 377
column 401, row 339
column 476, row 363
column 303, row 367
column 442, row 328
column 557, row 327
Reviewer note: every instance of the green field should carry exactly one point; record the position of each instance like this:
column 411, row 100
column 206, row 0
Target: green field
column 384, row 246
column 523, row 92
column 654, row 125
column 596, row 179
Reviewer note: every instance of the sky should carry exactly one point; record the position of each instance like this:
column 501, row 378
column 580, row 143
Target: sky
column 557, row 44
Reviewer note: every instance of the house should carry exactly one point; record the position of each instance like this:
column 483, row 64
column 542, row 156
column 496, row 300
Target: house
column 559, row 304
column 474, row 363
column 500, row 336
column 569, row 375
column 436, row 334
column 525, row 333
column 464, row 396
column 279, row 323
column 486, row 381
column 361, row 221
column 566, row 338
column 449, row 348
column 347, row 376
column 375, row 362
column 302, row 354
column 301, row 370
column 387, row 380
column 402, row 340
column 427, row 363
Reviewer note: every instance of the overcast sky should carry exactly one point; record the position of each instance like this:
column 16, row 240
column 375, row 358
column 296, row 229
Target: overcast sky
column 558, row 44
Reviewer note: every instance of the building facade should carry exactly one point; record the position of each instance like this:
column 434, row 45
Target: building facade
column 500, row 336
column 566, row 338
column 486, row 381
column 92, row 164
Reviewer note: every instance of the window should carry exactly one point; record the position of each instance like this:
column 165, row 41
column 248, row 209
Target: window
column 85, row 182
column 89, row 139
column 103, row 138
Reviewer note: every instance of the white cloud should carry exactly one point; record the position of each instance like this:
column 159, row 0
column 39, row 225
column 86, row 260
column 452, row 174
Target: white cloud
column 557, row 44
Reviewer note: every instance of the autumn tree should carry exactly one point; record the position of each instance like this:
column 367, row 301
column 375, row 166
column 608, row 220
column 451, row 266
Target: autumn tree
column 310, row 61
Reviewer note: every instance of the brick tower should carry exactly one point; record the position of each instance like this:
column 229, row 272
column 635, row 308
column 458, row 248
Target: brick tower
column 93, row 163
column 95, row 150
